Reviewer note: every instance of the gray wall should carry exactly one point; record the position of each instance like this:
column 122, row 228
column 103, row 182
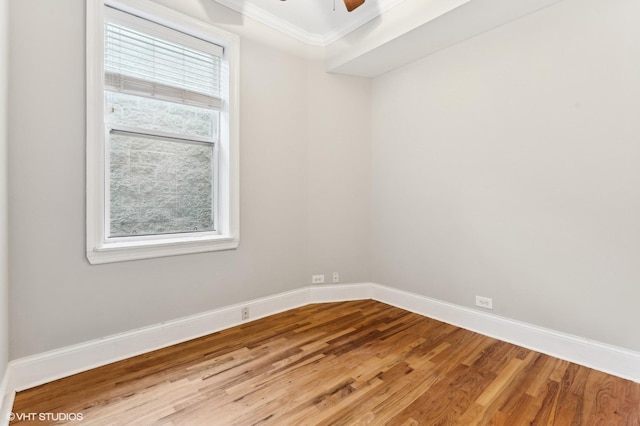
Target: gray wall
column 508, row 166
column 339, row 174
column 4, row 267
column 505, row 166
column 57, row 298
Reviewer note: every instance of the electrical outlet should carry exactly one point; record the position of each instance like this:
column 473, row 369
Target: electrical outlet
column 245, row 313
column 317, row 279
column 484, row 302
column 336, row 277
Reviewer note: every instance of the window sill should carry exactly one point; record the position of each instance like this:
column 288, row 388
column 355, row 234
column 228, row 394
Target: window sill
column 125, row 251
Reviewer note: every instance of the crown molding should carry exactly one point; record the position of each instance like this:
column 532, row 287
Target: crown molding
column 258, row 14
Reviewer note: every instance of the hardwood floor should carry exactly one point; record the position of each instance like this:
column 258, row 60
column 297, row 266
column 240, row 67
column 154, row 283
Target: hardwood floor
column 360, row 362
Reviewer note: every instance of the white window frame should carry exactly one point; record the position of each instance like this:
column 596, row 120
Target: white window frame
column 100, row 248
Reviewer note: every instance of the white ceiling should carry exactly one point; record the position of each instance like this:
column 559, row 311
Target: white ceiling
column 357, row 43
column 419, row 28
column 314, row 22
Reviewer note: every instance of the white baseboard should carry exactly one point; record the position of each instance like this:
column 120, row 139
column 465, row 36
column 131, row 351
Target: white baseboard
column 599, row 356
column 340, row 292
column 7, row 394
column 52, row 365
column 34, row 370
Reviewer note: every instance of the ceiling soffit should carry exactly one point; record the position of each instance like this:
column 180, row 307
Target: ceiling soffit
column 314, row 22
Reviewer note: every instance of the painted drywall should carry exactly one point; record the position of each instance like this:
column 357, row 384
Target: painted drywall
column 338, row 165
column 339, row 174
column 415, row 29
column 247, row 28
column 57, row 298
column 344, row 55
column 4, row 241
column 507, row 167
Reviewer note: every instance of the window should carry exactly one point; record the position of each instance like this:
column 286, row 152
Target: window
column 162, row 142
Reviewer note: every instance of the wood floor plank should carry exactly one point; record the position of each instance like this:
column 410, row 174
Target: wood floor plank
column 349, row 363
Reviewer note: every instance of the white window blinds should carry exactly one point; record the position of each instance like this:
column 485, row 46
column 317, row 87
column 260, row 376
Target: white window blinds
column 145, row 65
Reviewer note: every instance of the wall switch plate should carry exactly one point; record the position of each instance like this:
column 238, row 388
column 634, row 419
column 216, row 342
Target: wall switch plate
column 336, row 277
column 484, row 302
column 317, row 279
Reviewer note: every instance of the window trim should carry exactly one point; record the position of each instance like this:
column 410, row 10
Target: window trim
column 99, row 249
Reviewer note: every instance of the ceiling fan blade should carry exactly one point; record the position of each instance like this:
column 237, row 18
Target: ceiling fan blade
column 353, row 4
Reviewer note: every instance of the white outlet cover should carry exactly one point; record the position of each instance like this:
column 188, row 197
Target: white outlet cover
column 484, row 302
column 317, row 279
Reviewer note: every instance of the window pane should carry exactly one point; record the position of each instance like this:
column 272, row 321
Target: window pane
column 159, row 186
column 153, row 114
